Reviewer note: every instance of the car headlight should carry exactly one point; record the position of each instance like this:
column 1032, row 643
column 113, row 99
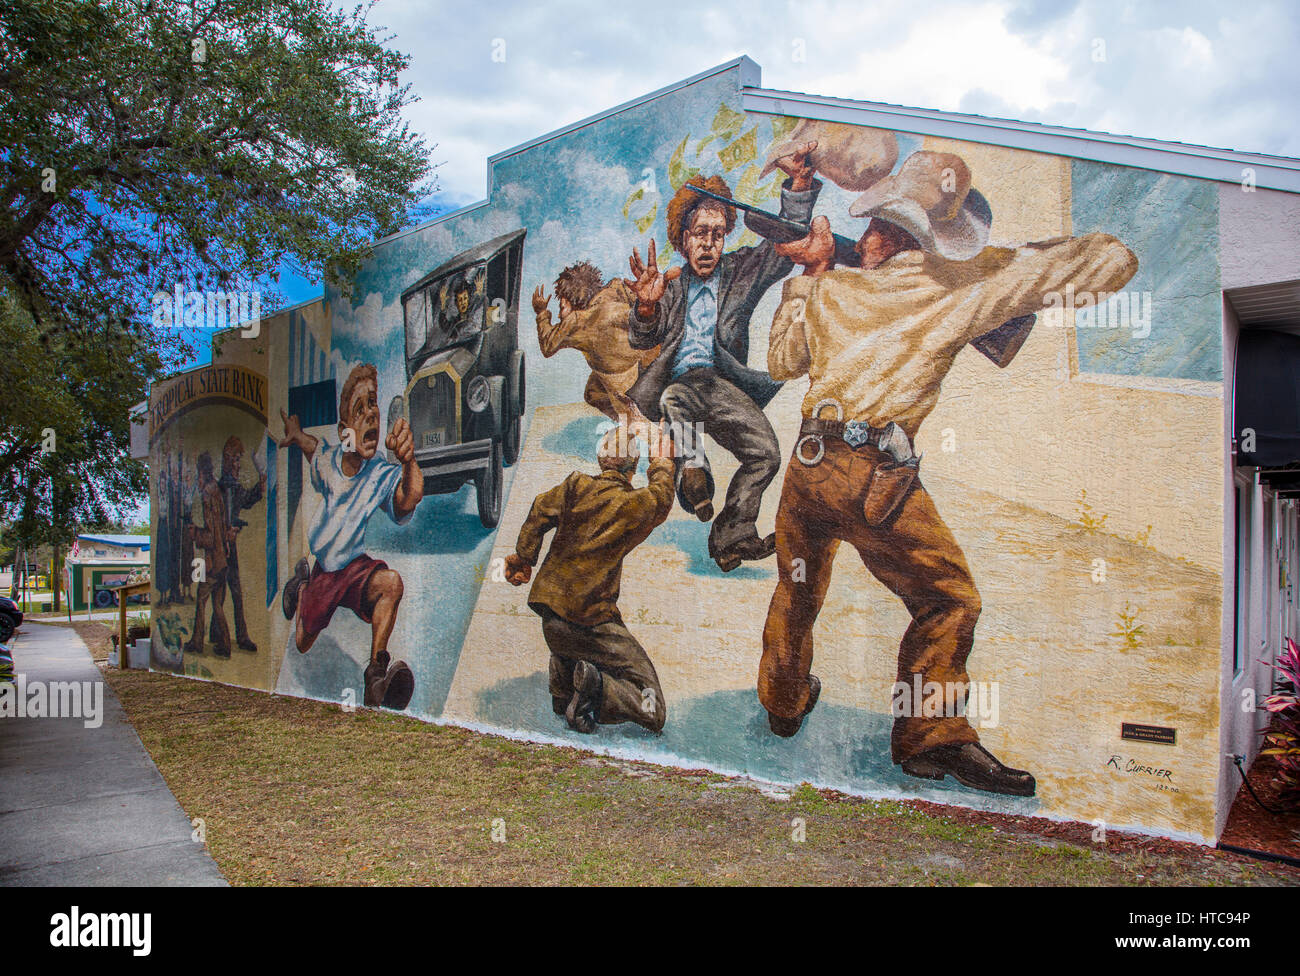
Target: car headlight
column 479, row 394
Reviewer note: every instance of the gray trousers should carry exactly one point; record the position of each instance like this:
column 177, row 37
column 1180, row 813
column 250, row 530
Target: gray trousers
column 731, row 418
column 631, row 686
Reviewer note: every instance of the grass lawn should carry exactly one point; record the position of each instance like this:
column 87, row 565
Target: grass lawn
column 300, row 792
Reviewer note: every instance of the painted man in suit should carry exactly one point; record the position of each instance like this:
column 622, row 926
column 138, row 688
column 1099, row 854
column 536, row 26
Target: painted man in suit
column 701, row 380
column 237, row 497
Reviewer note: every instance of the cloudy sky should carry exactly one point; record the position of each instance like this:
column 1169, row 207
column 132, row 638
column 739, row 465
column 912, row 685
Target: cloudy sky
column 1213, row 73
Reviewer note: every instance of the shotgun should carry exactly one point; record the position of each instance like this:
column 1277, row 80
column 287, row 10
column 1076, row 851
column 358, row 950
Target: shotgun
column 999, row 345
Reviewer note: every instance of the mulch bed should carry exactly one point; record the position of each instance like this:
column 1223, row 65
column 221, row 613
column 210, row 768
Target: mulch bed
column 1249, row 825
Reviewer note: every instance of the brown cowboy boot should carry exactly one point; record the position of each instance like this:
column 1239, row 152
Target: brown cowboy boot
column 388, row 687
column 786, row 727
column 971, row 765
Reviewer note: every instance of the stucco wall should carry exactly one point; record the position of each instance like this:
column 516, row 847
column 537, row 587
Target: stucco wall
column 1083, row 482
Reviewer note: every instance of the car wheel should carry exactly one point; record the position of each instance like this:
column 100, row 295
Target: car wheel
column 103, row 599
column 488, row 482
column 6, row 628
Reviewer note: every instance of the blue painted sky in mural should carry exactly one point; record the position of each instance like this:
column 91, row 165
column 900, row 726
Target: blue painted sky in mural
column 1176, row 239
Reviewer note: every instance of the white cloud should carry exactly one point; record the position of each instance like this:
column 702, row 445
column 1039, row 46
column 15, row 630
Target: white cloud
column 1197, row 71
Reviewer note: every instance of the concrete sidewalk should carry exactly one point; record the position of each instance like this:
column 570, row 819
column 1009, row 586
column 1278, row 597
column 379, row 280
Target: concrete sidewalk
column 86, row 806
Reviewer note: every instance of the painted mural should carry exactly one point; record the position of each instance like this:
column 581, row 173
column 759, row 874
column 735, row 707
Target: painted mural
column 815, row 461
column 209, row 474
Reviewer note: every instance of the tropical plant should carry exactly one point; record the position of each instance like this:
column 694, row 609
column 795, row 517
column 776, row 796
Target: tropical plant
column 1282, row 737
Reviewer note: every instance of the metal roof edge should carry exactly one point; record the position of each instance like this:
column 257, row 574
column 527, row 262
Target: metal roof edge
column 1223, row 165
column 750, row 74
column 458, row 212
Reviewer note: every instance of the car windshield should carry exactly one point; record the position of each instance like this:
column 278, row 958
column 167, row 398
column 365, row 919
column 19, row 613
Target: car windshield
column 447, row 311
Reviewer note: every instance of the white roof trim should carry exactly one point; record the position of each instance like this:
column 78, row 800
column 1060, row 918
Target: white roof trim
column 750, row 74
column 1224, row 165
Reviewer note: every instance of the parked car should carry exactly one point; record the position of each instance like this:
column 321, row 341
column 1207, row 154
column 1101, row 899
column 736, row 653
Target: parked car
column 465, row 390
column 11, row 617
column 105, row 596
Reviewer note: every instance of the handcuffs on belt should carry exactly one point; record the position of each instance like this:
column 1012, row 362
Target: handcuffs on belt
column 889, row 439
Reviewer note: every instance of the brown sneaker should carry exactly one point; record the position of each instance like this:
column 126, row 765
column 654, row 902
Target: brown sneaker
column 289, row 601
column 696, row 492
column 388, row 687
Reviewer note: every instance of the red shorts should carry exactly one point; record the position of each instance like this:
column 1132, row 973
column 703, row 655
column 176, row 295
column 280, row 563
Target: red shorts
column 325, row 592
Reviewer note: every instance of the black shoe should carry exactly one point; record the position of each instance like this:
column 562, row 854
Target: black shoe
column 289, row 601
column 246, row 644
column 786, row 727
column 221, row 650
column 971, row 765
column 747, row 549
column 584, row 706
column 388, row 687
column 559, row 704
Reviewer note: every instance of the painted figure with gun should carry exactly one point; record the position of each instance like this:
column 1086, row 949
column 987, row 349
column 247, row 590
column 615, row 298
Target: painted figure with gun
column 876, row 339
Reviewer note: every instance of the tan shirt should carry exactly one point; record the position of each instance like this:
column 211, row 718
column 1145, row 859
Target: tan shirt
column 881, row 341
column 599, row 332
column 597, row 522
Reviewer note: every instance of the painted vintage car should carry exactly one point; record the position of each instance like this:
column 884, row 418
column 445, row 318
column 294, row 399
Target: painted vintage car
column 465, row 389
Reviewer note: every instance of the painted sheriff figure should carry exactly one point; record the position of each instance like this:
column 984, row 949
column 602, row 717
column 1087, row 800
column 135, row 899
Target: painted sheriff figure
column 699, row 316
column 876, row 342
column 354, row 483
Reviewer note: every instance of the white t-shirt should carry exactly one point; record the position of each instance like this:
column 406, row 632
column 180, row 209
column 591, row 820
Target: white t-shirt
column 338, row 534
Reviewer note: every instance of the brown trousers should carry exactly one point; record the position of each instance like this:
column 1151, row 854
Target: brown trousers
column 911, row 552
column 215, row 587
column 631, row 686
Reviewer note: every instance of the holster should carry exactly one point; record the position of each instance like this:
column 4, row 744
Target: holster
column 889, row 483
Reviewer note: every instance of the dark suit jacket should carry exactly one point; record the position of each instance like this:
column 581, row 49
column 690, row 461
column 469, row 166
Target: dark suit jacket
column 743, row 276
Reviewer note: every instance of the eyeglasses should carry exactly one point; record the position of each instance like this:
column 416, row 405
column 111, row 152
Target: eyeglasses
column 715, row 236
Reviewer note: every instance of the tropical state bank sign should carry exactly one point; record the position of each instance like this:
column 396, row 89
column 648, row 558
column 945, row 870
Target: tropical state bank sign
column 235, row 386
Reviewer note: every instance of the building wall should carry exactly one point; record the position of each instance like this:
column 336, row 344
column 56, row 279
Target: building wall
column 1083, row 482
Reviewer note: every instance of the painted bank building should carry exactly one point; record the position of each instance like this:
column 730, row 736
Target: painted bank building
column 901, row 452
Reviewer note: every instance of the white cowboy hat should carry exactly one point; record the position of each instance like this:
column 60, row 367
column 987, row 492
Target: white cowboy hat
column 931, row 198
column 850, row 156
